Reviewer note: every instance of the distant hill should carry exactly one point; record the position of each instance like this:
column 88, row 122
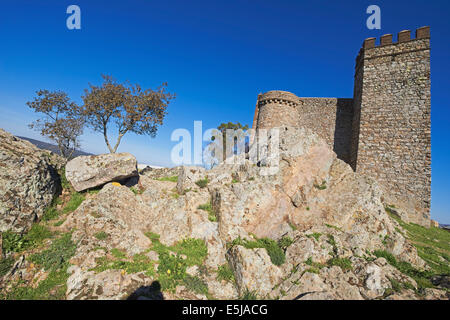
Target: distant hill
column 53, row 148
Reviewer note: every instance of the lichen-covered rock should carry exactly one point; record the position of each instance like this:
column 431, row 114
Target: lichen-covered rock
column 28, row 183
column 86, row 172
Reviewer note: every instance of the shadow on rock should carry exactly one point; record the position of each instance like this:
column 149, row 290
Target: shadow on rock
column 152, row 292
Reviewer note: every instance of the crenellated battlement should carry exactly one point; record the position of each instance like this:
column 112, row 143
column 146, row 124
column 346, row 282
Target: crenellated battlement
column 277, row 96
column 386, row 45
column 402, row 37
column 384, row 131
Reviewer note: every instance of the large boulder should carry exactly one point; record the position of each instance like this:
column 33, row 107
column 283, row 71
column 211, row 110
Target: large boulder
column 87, row 172
column 28, row 183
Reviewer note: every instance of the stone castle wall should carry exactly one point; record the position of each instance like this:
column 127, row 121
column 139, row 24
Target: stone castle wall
column 331, row 119
column 384, row 131
column 394, row 144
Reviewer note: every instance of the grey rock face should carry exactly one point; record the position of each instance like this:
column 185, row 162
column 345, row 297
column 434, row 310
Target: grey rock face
column 28, row 182
column 86, row 172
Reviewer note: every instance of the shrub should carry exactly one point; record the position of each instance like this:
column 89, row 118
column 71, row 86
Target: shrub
column 202, row 183
column 101, row 235
column 12, row 242
column 343, row 263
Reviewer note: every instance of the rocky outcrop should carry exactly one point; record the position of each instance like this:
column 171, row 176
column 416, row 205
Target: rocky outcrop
column 28, row 183
column 334, row 218
column 87, row 172
column 320, row 222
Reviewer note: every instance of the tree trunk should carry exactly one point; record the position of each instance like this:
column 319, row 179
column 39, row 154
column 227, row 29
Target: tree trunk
column 118, row 141
column 105, row 135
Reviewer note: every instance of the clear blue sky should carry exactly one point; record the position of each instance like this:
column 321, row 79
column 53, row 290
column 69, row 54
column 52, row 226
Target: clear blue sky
column 215, row 55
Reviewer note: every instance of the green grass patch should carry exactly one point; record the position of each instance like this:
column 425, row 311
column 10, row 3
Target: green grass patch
column 171, row 179
column 138, row 263
column 59, row 223
column 51, row 213
column 225, row 273
column 275, row 252
column 195, row 284
column 136, row 191
column 75, row 200
column 333, row 227
column 208, row 208
column 57, row 255
column 172, row 266
column 311, row 263
column 313, row 270
column 195, row 250
column 15, row 242
column 6, row 265
column 56, row 261
column 249, row 295
column 171, row 270
column 118, row 254
column 432, row 244
column 322, row 186
column 333, row 243
column 344, row 263
column 93, row 191
column 285, row 242
column 315, row 235
column 421, row 277
column 65, row 184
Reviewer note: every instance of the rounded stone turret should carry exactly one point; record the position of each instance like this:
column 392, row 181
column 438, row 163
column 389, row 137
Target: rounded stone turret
column 277, row 108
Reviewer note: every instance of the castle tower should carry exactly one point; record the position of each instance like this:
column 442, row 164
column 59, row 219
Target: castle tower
column 391, row 130
column 275, row 109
